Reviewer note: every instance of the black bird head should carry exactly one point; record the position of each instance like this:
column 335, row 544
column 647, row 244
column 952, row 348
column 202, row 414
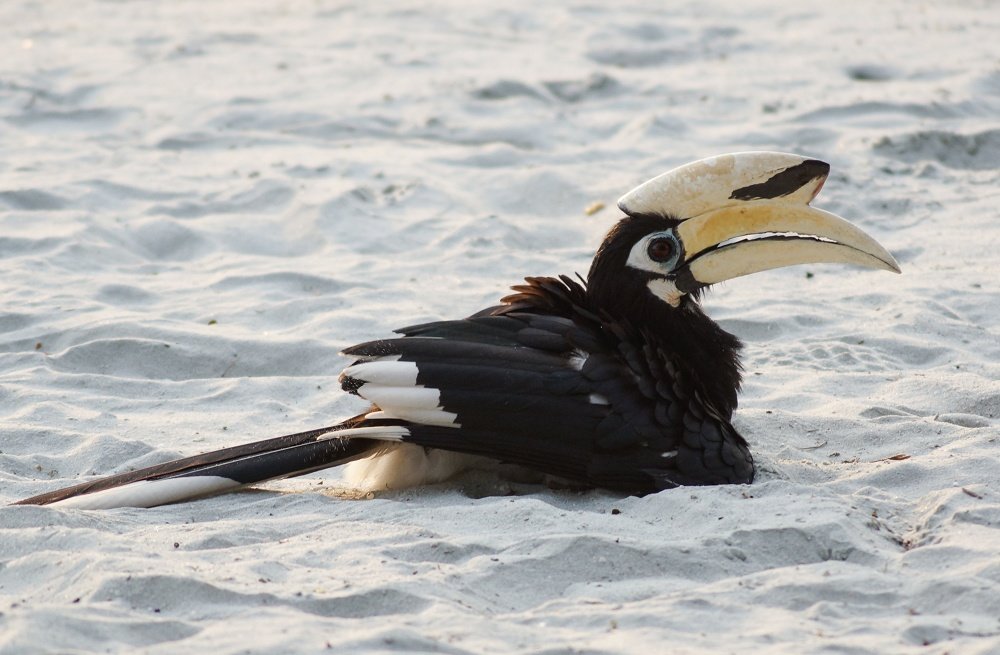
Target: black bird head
column 714, row 220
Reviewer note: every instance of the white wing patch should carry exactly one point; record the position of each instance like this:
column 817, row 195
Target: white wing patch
column 416, row 397
column 392, row 386
column 388, row 371
column 424, row 416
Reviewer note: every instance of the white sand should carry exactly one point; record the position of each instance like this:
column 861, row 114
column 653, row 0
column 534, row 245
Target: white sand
column 200, row 203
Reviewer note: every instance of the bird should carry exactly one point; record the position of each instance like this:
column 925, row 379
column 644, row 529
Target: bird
column 619, row 380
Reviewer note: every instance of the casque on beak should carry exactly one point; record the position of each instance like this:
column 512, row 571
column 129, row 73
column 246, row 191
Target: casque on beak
column 747, row 212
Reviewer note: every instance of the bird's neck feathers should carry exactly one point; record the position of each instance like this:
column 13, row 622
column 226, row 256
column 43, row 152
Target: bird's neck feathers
column 708, row 354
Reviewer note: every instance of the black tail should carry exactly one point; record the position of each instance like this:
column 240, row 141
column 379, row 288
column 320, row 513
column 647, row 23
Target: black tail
column 218, row 471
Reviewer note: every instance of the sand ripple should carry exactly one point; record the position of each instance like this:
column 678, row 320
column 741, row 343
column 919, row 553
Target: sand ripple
column 201, row 203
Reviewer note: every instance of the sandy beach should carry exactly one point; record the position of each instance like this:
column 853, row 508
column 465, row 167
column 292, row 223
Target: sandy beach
column 202, row 203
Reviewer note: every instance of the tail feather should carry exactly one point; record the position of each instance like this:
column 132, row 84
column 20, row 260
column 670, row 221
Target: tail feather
column 227, row 469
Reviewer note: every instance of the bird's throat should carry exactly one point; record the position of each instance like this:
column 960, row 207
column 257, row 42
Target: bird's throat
column 707, row 354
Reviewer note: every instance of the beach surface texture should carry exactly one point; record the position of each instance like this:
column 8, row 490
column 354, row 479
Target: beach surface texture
column 202, row 203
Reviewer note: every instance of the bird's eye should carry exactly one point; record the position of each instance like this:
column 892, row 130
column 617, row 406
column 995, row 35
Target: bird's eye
column 660, row 249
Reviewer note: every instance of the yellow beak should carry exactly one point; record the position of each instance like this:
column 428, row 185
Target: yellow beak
column 763, row 234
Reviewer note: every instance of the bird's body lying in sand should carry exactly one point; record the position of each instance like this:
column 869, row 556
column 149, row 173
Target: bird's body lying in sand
column 620, row 381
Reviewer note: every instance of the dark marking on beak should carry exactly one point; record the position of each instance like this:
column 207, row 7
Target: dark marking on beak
column 787, row 181
column 685, row 281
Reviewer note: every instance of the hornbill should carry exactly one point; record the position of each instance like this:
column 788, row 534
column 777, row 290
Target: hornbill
column 620, row 381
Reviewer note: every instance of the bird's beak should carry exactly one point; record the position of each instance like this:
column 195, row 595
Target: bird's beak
column 765, row 234
column 748, row 212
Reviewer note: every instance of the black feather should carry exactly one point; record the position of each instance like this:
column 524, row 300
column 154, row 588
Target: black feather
column 290, row 455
